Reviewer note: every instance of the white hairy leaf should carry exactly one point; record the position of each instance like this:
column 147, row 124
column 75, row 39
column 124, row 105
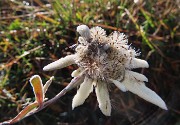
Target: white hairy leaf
column 142, row 91
column 76, row 72
column 61, row 63
column 136, row 63
column 103, row 98
column 137, row 76
column 119, row 85
column 83, row 92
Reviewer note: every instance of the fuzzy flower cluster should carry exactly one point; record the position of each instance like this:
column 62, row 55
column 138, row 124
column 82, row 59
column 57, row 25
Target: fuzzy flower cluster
column 103, row 60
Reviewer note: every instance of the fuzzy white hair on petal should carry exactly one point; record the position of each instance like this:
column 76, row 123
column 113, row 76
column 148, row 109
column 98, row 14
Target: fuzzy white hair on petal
column 103, row 98
column 76, row 72
column 137, row 76
column 84, row 31
column 142, row 91
column 83, row 92
column 61, row 63
column 119, row 85
column 136, row 63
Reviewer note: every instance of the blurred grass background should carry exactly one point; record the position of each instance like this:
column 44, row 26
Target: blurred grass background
column 34, row 33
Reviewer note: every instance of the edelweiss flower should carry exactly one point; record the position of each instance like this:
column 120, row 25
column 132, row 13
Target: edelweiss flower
column 104, row 60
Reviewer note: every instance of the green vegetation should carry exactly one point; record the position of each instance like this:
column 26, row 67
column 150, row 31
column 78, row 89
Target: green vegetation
column 33, row 33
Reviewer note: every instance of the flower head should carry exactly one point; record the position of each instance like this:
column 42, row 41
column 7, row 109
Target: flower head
column 104, row 60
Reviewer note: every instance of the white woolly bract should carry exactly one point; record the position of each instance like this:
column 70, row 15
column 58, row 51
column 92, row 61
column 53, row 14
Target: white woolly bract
column 136, row 63
column 103, row 98
column 76, row 72
column 61, row 63
column 119, row 85
column 84, row 31
column 141, row 90
column 137, row 76
column 83, row 92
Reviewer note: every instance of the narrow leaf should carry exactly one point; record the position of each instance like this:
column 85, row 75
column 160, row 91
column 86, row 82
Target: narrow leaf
column 37, row 85
column 22, row 114
column 48, row 83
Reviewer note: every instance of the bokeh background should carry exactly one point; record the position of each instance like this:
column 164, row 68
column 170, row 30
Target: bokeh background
column 34, row 33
